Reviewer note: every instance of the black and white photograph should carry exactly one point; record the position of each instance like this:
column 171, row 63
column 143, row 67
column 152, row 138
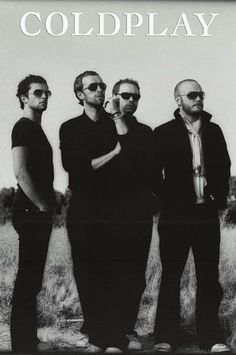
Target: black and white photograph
column 118, row 176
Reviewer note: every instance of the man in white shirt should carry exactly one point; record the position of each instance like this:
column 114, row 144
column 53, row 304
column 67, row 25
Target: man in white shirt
column 192, row 168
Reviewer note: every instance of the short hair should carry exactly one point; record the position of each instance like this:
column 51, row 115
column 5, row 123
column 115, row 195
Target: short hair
column 117, row 85
column 180, row 83
column 78, row 83
column 24, row 86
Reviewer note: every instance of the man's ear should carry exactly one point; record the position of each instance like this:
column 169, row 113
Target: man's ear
column 23, row 98
column 80, row 95
column 178, row 100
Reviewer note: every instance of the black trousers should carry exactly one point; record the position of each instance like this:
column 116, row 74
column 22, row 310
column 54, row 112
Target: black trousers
column 109, row 257
column 196, row 227
column 34, row 229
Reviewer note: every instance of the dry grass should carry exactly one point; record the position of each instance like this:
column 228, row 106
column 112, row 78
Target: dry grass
column 8, row 267
column 228, row 280
column 58, row 300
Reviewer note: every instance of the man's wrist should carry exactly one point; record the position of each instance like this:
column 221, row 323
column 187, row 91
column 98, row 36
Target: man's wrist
column 114, row 152
column 116, row 115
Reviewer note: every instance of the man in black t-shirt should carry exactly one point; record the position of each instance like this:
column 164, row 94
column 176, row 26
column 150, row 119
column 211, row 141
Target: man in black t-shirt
column 109, row 219
column 32, row 209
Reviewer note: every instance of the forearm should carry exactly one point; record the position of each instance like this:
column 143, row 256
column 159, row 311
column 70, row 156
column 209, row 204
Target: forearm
column 120, row 124
column 42, row 200
column 121, row 129
column 103, row 160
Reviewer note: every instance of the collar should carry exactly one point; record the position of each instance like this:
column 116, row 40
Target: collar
column 193, row 127
column 205, row 116
column 103, row 115
column 130, row 120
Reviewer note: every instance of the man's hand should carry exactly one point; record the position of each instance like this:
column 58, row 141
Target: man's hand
column 117, row 148
column 113, row 105
column 117, row 116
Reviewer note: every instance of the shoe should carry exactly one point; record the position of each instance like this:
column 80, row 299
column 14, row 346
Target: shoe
column 91, row 348
column 113, row 350
column 83, row 342
column 44, row 346
column 134, row 343
column 219, row 348
column 162, row 347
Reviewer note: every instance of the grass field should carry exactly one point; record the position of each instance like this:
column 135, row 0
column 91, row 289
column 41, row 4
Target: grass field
column 58, row 301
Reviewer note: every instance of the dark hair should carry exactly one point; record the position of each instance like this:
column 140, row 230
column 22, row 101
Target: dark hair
column 117, row 85
column 78, row 84
column 24, row 86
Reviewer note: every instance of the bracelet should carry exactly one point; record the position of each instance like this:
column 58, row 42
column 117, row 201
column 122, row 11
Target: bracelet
column 116, row 114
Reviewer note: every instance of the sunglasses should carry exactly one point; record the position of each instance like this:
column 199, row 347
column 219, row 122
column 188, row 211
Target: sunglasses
column 127, row 96
column 192, row 95
column 39, row 93
column 94, row 86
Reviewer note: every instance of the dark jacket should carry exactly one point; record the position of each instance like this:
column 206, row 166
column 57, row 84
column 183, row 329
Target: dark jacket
column 173, row 177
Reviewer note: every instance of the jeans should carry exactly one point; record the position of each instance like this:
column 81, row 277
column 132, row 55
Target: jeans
column 196, row 227
column 34, row 229
column 109, row 258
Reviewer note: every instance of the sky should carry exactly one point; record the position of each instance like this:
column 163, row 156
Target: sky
column 157, row 62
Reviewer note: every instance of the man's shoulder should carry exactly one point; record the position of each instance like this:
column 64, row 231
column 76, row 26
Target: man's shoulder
column 26, row 133
column 214, row 125
column 206, row 118
column 23, row 124
column 166, row 127
column 144, row 127
column 72, row 123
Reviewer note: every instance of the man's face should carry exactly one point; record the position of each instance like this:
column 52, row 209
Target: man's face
column 128, row 105
column 37, row 97
column 191, row 106
column 90, row 94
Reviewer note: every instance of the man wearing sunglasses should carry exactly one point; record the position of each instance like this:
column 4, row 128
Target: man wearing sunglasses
column 192, row 169
column 109, row 218
column 32, row 209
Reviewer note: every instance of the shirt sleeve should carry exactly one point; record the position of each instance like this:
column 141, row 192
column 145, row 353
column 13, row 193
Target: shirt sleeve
column 22, row 135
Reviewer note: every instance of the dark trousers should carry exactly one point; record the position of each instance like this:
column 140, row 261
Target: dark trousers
column 196, row 227
column 34, row 229
column 109, row 258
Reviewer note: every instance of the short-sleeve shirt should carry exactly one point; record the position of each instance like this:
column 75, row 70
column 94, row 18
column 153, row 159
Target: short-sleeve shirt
column 27, row 133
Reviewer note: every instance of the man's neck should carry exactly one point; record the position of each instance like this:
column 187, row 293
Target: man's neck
column 33, row 115
column 190, row 118
column 92, row 112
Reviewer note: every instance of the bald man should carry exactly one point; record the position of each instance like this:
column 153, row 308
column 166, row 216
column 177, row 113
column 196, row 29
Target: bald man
column 192, row 169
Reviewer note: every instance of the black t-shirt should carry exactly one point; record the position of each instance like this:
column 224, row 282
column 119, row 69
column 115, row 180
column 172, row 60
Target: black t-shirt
column 27, row 133
column 82, row 140
column 120, row 188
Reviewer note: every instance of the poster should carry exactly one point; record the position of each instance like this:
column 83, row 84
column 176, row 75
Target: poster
column 156, row 43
